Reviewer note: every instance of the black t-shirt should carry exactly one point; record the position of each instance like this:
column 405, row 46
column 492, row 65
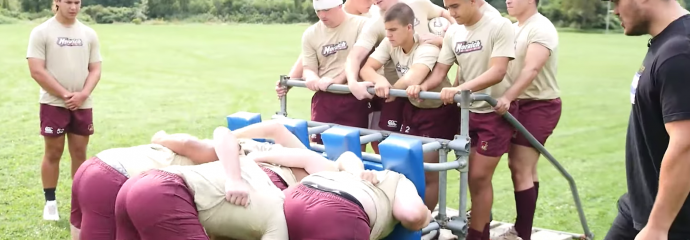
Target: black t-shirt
column 659, row 93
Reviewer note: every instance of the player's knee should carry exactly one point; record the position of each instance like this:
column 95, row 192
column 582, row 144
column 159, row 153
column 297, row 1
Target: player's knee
column 53, row 153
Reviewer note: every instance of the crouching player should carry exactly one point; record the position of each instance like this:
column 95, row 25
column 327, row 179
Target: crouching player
column 232, row 198
column 353, row 203
column 413, row 61
column 482, row 50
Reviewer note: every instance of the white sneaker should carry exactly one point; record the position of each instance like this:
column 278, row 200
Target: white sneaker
column 511, row 234
column 50, row 211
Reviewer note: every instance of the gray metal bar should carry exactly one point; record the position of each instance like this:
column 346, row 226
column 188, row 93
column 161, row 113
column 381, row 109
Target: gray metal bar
column 370, row 138
column 392, row 92
column 460, row 143
column 536, row 144
column 371, row 157
column 438, row 167
column 432, row 146
column 283, row 99
column 463, row 159
column 318, row 129
column 431, row 227
column 458, row 227
column 442, row 185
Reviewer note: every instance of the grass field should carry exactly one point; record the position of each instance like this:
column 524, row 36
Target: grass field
column 187, row 78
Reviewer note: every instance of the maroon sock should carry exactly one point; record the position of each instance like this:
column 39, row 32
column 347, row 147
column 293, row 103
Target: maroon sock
column 525, row 203
column 486, row 234
column 473, row 235
column 536, row 188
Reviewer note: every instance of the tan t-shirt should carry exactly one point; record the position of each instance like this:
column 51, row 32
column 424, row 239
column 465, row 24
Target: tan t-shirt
column 138, row 159
column 424, row 53
column 381, row 220
column 67, row 52
column 249, row 146
column 325, row 49
column 536, row 29
column 263, row 219
column 472, row 48
column 375, row 30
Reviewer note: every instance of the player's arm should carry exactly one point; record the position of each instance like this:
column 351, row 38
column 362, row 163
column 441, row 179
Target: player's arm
column 423, row 62
column 674, row 180
column 310, row 161
column 541, row 44
column 380, row 56
column 434, row 11
column 365, row 43
column 228, row 151
column 446, row 58
column 502, row 52
column 271, row 129
column 94, row 65
column 36, row 55
column 349, row 162
column 309, row 61
column 409, row 208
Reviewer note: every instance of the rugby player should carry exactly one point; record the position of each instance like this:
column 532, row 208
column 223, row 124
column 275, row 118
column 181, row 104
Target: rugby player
column 64, row 58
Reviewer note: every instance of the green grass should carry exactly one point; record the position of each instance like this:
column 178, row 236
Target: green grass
column 187, row 78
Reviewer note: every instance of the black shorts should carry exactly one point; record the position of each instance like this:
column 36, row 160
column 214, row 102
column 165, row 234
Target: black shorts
column 622, row 227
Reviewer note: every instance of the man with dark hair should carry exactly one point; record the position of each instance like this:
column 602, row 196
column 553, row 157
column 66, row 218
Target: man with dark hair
column 657, row 147
column 482, row 48
column 530, row 83
column 64, row 59
column 413, row 61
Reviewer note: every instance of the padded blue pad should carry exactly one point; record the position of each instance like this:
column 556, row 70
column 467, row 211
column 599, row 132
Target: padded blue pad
column 369, row 165
column 299, row 128
column 242, row 119
column 339, row 139
column 404, row 155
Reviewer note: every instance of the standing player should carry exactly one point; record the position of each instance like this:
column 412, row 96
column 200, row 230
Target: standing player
column 413, row 61
column 657, row 157
column 531, row 84
column 325, row 46
column 482, row 49
column 372, row 35
column 64, row 59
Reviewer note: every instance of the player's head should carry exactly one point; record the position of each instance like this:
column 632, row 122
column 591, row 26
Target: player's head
column 67, row 8
column 462, row 10
column 636, row 15
column 399, row 20
column 362, row 6
column 330, row 12
column 519, row 7
column 384, row 5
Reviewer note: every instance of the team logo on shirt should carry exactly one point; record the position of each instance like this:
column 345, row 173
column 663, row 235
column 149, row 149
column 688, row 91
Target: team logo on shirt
column 401, row 69
column 69, row 42
column 466, row 47
column 633, row 85
column 331, row 49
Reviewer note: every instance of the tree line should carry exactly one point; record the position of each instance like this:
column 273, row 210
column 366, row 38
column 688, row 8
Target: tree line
column 579, row 14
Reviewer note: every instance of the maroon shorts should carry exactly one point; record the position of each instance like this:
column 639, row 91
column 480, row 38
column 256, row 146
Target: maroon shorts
column 391, row 114
column 275, row 178
column 376, row 104
column 94, row 189
column 343, row 109
column 157, row 205
column 539, row 117
column 316, row 214
column 56, row 121
column 491, row 133
column 442, row 122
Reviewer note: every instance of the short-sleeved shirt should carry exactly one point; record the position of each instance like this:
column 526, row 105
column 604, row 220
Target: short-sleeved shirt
column 421, row 53
column 375, row 30
column 472, row 48
column 373, row 12
column 138, row 159
column 536, row 29
column 67, row 52
column 264, row 217
column 325, row 49
column 659, row 95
